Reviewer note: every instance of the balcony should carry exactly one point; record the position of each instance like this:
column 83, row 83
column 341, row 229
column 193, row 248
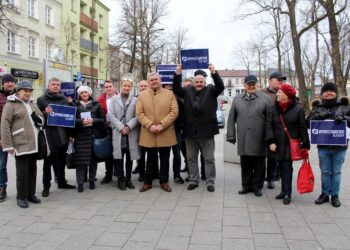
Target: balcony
column 86, row 44
column 88, row 22
column 85, row 70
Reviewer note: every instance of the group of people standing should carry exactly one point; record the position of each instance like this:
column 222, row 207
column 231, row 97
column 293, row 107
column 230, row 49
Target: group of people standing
column 142, row 128
column 262, row 122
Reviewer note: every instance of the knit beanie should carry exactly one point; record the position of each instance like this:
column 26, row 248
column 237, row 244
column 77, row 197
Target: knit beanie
column 329, row 86
column 84, row 88
column 8, row 78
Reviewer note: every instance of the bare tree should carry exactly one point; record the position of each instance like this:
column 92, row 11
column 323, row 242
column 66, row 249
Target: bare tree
column 244, row 57
column 71, row 38
column 6, row 21
column 325, row 66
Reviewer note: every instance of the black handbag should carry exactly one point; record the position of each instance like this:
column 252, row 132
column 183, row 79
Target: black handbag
column 103, row 148
column 43, row 150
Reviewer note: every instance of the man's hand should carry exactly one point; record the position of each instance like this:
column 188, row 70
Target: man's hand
column 273, row 147
column 178, row 69
column 160, row 127
column 211, row 68
column 153, row 129
column 125, row 130
column 70, row 99
column 48, row 110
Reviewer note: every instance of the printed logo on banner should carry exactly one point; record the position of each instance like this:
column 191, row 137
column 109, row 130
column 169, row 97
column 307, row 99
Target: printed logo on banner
column 194, row 58
column 62, row 116
column 328, row 132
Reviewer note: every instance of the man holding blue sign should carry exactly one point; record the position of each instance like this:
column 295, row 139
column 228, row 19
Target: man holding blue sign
column 194, row 58
column 57, row 137
column 331, row 156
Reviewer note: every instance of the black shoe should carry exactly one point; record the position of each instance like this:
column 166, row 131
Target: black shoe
column 286, row 200
column 258, row 192
column 45, row 192
column 187, row 179
column 106, row 180
column 244, row 191
column 335, row 201
column 270, row 185
column 280, row 196
column 184, row 170
column 179, row 180
column 3, row 194
column 322, row 199
column 65, row 185
column 141, row 179
column 210, row 188
column 121, row 184
column 22, row 203
column 80, row 188
column 192, row 186
column 136, row 170
column 34, row 200
column 92, row 185
column 129, row 184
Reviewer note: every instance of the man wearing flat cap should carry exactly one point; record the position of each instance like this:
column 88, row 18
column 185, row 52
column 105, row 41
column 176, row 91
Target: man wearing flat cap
column 8, row 88
column 250, row 112
column 275, row 80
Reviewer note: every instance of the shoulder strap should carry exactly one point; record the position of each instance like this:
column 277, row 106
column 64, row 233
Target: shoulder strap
column 284, row 126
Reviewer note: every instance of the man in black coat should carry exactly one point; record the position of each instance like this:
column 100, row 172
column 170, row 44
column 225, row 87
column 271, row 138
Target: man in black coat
column 200, row 105
column 57, row 138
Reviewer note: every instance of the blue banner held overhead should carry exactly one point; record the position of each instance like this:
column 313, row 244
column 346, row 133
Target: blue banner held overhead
column 62, row 116
column 68, row 89
column 166, row 72
column 194, row 58
column 166, row 67
column 328, row 132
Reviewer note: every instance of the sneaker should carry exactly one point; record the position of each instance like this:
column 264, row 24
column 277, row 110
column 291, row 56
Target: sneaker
column 46, row 192
column 129, row 184
column 121, row 184
column 3, row 194
column 80, row 188
column 22, row 203
column 210, row 188
column 106, row 180
column 65, row 185
column 192, row 186
column 179, row 180
column 92, row 185
column 322, row 199
column 335, row 201
column 165, row 187
column 145, row 188
column 34, row 200
column 271, row 185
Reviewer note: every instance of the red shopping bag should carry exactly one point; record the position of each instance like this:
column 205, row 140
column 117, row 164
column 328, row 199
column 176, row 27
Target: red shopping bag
column 306, row 179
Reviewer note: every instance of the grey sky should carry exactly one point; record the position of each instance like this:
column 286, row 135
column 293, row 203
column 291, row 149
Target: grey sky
column 208, row 23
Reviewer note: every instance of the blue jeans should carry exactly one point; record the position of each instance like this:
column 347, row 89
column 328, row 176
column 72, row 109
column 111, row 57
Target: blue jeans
column 3, row 169
column 331, row 162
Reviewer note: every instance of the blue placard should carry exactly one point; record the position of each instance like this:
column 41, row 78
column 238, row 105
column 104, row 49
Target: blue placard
column 166, row 67
column 62, row 116
column 194, row 58
column 166, row 72
column 68, row 89
column 328, row 132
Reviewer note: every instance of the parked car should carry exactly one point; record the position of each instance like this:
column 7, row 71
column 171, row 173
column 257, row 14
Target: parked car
column 220, row 115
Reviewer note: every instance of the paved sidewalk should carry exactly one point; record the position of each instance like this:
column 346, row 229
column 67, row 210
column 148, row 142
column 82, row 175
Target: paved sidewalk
column 106, row 218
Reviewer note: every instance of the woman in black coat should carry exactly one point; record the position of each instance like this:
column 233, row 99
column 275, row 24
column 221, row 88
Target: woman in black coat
column 90, row 122
column 293, row 116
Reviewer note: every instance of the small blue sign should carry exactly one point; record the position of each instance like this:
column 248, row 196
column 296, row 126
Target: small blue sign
column 328, row 132
column 166, row 72
column 194, row 58
column 68, row 89
column 62, row 116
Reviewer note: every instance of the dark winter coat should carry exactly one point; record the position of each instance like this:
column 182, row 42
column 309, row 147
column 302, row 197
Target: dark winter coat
column 251, row 115
column 56, row 136
column 83, row 136
column 200, row 107
column 3, row 100
column 322, row 111
column 179, row 122
column 294, row 119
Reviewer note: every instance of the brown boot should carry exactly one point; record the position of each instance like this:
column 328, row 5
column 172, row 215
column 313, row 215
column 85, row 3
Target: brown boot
column 145, row 188
column 165, row 187
column 46, row 192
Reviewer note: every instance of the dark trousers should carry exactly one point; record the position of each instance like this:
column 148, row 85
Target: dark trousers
column 286, row 170
column 141, row 163
column 109, row 164
column 252, row 171
column 119, row 165
column 152, row 164
column 271, row 169
column 26, row 176
column 57, row 160
column 177, row 155
column 81, row 171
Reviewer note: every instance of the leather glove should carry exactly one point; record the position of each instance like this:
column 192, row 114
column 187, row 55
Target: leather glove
column 339, row 118
column 36, row 119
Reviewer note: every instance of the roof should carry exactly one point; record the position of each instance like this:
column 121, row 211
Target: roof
column 233, row 73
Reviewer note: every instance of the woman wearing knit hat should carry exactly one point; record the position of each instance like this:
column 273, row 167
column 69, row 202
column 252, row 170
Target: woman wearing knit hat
column 90, row 121
column 331, row 157
column 289, row 112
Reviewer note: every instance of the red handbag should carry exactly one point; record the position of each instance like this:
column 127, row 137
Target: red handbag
column 296, row 153
column 306, row 179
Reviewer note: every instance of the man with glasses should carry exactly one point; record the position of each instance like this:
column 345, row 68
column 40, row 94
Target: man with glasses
column 200, row 105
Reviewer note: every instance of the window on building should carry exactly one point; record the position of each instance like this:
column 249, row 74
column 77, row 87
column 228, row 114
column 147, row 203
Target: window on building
column 72, row 4
column 32, row 8
column 12, row 42
column 11, row 3
column 101, row 65
column 32, row 47
column 100, row 20
column 49, row 15
column 49, row 50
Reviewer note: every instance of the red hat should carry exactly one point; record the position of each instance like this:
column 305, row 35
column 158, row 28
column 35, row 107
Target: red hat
column 288, row 90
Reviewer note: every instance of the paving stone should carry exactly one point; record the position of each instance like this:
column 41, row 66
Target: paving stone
column 303, row 244
column 122, row 227
column 203, row 247
column 56, row 235
column 334, row 241
column 71, row 224
column 183, row 219
column 98, row 220
column 152, row 224
column 173, row 243
column 298, row 233
column 112, row 239
column 178, row 230
column 263, row 217
column 39, row 228
column 130, row 217
column 269, row 240
column 207, row 226
column 43, row 245
column 9, row 231
column 93, row 247
column 145, row 235
column 237, row 232
column 21, row 239
column 89, row 231
column 206, row 238
column 73, row 243
column 238, row 244
column 158, row 214
column 325, row 229
column 139, row 245
column 22, row 221
column 232, row 220
column 267, row 228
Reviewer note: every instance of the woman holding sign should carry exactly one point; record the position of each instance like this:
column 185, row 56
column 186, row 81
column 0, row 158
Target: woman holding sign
column 288, row 121
column 331, row 157
column 90, row 123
